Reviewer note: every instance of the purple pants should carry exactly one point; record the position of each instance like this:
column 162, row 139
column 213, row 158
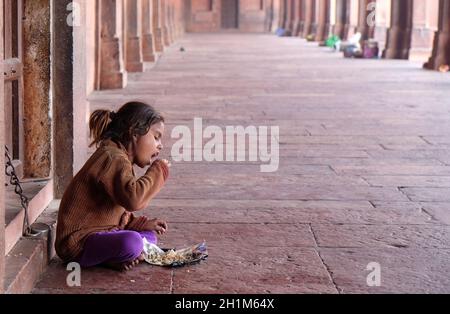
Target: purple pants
column 114, row 247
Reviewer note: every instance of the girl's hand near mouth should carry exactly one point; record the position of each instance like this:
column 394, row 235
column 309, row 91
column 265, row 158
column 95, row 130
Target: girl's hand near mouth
column 168, row 164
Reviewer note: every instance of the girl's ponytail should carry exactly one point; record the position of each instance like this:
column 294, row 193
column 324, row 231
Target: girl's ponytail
column 98, row 123
column 133, row 118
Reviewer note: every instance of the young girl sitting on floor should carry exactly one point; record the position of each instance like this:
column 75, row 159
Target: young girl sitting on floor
column 95, row 221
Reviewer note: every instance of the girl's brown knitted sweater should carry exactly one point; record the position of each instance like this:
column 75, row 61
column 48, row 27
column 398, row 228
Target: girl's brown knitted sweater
column 102, row 196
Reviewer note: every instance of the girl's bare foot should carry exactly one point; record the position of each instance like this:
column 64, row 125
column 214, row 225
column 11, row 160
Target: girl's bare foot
column 125, row 266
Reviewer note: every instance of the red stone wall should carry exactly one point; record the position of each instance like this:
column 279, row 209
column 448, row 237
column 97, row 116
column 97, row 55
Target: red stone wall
column 425, row 24
column 252, row 15
column 206, row 15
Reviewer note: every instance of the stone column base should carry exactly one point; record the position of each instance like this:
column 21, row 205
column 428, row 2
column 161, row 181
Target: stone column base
column 441, row 51
column 159, row 47
column 322, row 32
column 296, row 29
column 290, row 28
column 111, row 72
column 341, row 30
column 113, row 80
column 147, row 48
column 166, row 36
column 397, row 44
column 134, row 58
column 307, row 30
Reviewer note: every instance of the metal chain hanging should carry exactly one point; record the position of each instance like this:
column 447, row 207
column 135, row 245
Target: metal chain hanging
column 10, row 171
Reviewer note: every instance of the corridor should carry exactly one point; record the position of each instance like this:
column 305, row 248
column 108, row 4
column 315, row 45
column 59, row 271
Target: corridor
column 363, row 177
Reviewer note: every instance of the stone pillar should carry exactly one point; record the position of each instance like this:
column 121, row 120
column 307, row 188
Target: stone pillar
column 323, row 21
column 269, row 15
column 165, row 29
column 425, row 24
column 315, row 17
column 441, row 46
column 2, row 160
column 112, row 75
column 366, row 11
column 282, row 10
column 173, row 31
column 398, row 41
column 297, row 17
column 148, row 41
column 133, row 33
column 341, row 27
column 36, row 88
column 179, row 13
column 171, row 21
column 289, row 22
column 170, row 29
column 175, row 10
column 167, row 22
column 174, row 20
column 156, row 23
column 309, row 18
column 63, row 105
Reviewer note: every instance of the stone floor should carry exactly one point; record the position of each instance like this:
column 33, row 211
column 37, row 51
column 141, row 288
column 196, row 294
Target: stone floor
column 364, row 172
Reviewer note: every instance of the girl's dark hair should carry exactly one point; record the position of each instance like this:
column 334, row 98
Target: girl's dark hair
column 134, row 118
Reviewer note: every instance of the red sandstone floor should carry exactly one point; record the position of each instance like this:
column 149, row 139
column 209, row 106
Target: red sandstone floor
column 364, row 173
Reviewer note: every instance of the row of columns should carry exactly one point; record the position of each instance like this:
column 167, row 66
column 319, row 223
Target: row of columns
column 133, row 32
column 306, row 17
column 320, row 18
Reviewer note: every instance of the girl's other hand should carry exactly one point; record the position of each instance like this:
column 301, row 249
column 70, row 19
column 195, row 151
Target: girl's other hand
column 157, row 225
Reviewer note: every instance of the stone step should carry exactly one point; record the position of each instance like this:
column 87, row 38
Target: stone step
column 40, row 194
column 29, row 257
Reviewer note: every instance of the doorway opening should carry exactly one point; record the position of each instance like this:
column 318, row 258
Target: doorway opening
column 230, row 14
